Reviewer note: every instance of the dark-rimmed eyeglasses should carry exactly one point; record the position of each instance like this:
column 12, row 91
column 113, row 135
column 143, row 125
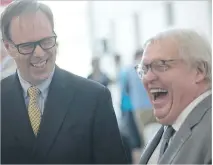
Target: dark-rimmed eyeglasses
column 156, row 67
column 29, row 47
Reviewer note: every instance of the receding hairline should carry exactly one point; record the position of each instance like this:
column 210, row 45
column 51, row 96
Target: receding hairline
column 176, row 36
column 161, row 37
column 193, row 48
column 31, row 20
column 162, row 40
column 15, row 9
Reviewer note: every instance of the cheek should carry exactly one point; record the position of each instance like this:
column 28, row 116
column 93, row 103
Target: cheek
column 144, row 82
column 182, row 82
column 181, row 90
column 14, row 53
column 52, row 53
column 22, row 61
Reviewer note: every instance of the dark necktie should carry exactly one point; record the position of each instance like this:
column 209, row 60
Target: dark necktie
column 166, row 137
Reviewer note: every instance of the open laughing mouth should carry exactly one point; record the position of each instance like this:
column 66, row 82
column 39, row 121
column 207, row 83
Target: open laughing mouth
column 158, row 94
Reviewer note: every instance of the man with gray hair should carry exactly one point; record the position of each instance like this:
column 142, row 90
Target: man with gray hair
column 176, row 72
column 48, row 115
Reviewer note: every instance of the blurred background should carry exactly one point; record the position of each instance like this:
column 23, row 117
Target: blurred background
column 112, row 32
column 100, row 28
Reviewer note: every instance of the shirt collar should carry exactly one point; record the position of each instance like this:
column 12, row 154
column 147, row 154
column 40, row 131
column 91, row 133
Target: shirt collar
column 182, row 117
column 43, row 87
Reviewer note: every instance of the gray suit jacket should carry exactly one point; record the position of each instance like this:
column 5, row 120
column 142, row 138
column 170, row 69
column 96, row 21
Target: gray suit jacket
column 192, row 143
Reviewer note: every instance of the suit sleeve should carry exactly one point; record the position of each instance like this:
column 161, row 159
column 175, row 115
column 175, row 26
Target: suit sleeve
column 208, row 152
column 107, row 144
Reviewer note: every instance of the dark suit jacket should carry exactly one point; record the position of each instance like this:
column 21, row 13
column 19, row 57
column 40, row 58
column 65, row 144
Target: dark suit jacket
column 78, row 125
column 192, row 144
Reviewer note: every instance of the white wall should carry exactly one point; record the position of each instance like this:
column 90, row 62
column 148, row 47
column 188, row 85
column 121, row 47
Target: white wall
column 153, row 19
column 1, row 9
column 71, row 25
column 121, row 13
column 76, row 35
column 193, row 14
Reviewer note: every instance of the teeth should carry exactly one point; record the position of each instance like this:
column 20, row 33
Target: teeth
column 158, row 90
column 40, row 64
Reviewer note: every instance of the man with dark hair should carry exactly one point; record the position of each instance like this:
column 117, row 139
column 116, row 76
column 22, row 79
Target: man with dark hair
column 48, row 115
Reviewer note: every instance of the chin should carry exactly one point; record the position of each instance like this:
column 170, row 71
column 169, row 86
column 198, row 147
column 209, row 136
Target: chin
column 162, row 116
column 163, row 121
column 43, row 77
column 160, row 112
column 37, row 79
column 169, row 119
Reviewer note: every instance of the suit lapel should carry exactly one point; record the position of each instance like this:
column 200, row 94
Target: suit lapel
column 54, row 113
column 179, row 139
column 19, row 115
column 185, row 131
column 149, row 149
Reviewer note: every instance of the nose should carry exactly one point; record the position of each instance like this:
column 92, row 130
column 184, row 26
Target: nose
column 149, row 76
column 38, row 52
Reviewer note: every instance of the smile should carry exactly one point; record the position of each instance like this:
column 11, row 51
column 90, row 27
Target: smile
column 40, row 64
column 158, row 93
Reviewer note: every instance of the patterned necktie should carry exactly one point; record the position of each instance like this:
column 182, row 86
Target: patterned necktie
column 33, row 109
column 166, row 137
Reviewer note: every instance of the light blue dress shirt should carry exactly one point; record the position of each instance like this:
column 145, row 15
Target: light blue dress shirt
column 43, row 87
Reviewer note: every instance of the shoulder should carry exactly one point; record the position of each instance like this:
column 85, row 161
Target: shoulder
column 202, row 131
column 202, row 134
column 7, row 83
column 81, row 84
column 206, row 123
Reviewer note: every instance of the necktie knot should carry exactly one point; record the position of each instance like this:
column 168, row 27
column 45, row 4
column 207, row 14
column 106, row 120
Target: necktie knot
column 33, row 92
column 168, row 132
column 165, row 142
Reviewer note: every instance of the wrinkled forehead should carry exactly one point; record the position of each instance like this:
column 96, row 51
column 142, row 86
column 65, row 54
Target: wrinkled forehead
column 30, row 27
column 160, row 49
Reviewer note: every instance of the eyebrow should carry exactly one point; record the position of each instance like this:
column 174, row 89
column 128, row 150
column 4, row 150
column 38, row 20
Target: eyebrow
column 31, row 42
column 145, row 63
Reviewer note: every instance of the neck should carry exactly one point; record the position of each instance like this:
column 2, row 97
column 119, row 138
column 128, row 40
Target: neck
column 204, row 87
column 31, row 82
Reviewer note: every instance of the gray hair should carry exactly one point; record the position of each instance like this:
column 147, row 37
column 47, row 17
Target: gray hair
column 193, row 48
column 18, row 8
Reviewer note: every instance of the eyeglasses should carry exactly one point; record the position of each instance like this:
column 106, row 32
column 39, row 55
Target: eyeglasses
column 29, row 47
column 156, row 67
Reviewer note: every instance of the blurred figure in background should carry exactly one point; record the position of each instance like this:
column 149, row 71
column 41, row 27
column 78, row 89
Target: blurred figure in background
column 128, row 124
column 118, row 65
column 7, row 64
column 97, row 74
column 176, row 70
column 138, row 96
